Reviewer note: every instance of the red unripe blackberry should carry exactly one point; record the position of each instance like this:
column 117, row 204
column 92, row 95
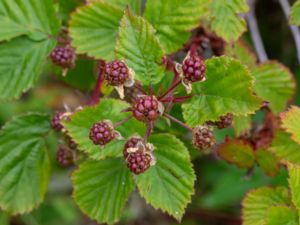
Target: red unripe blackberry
column 138, row 162
column 63, row 56
column 102, row 133
column 116, row 73
column 64, row 156
column 56, row 121
column 146, row 108
column 203, row 137
column 193, row 69
column 131, row 143
column 225, row 121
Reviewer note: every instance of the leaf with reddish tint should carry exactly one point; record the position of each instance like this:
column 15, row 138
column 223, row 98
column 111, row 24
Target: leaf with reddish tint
column 267, row 162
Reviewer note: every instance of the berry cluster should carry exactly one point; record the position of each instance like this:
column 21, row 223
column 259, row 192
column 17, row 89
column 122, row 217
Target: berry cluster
column 146, row 108
column 116, row 73
column 63, row 56
column 64, row 156
column 102, row 132
column 224, row 121
column 56, row 121
column 193, row 69
column 203, row 137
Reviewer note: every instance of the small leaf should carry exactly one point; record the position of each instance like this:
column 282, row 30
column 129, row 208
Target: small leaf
column 237, row 152
column 35, row 18
column 281, row 215
column 173, row 20
column 169, row 184
column 21, row 62
column 295, row 13
column 139, row 47
column 24, row 163
column 94, row 29
column 228, row 89
column 291, row 122
column 267, row 162
column 257, row 202
column 101, row 189
column 285, row 149
column 108, row 109
column 226, row 20
column 241, row 124
column 294, row 183
column 275, row 84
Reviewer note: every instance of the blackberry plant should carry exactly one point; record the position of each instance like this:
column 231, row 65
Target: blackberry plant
column 157, row 85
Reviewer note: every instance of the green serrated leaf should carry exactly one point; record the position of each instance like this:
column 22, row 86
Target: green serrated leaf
column 225, row 18
column 257, row 202
column 101, row 188
column 275, row 84
column 24, row 163
column 139, row 47
column 267, row 162
column 237, row 152
column 174, row 19
column 134, row 5
column 291, row 123
column 281, row 215
column 21, row 62
column 228, row 89
column 169, row 184
column 285, row 148
column 295, row 13
column 241, row 124
column 294, row 184
column 108, row 109
column 35, row 18
column 94, row 29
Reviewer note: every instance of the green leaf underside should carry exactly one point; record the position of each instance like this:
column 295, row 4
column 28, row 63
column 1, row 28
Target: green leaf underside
column 169, row 184
column 21, row 62
column 267, row 162
column 35, row 18
column 101, row 188
column 275, row 84
column 285, row 149
column 295, row 13
column 228, row 88
column 257, row 202
column 281, row 215
column 225, row 20
column 294, row 183
column 173, row 23
column 237, row 152
column 139, row 47
column 24, row 163
column 291, row 123
column 108, row 109
column 94, row 29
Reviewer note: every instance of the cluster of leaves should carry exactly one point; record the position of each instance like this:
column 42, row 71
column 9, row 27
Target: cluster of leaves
column 120, row 29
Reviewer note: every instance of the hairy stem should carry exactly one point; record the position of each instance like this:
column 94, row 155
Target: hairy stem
column 148, row 132
column 95, row 97
column 178, row 122
column 170, row 90
column 176, row 99
column 255, row 34
column 122, row 121
column 285, row 5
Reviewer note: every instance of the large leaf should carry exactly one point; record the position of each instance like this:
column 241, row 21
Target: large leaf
column 173, row 20
column 257, row 202
column 291, row 122
column 94, row 29
column 24, row 163
column 101, row 188
column 275, row 84
column 228, row 88
column 295, row 13
column 21, row 62
column 35, row 18
column 281, row 215
column 108, row 109
column 225, row 18
column 267, row 162
column 139, row 47
column 285, row 149
column 168, row 185
column 241, row 124
column 134, row 5
column 237, row 152
column 294, row 183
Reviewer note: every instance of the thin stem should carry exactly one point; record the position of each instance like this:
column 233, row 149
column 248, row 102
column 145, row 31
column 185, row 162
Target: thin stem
column 178, row 122
column 285, row 5
column 95, row 97
column 59, row 39
column 255, row 34
column 123, row 121
column 176, row 99
column 148, row 131
column 170, row 90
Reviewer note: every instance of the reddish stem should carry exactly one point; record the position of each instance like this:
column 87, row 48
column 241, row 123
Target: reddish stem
column 170, row 90
column 176, row 99
column 95, row 97
column 148, row 131
column 122, row 121
column 178, row 122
